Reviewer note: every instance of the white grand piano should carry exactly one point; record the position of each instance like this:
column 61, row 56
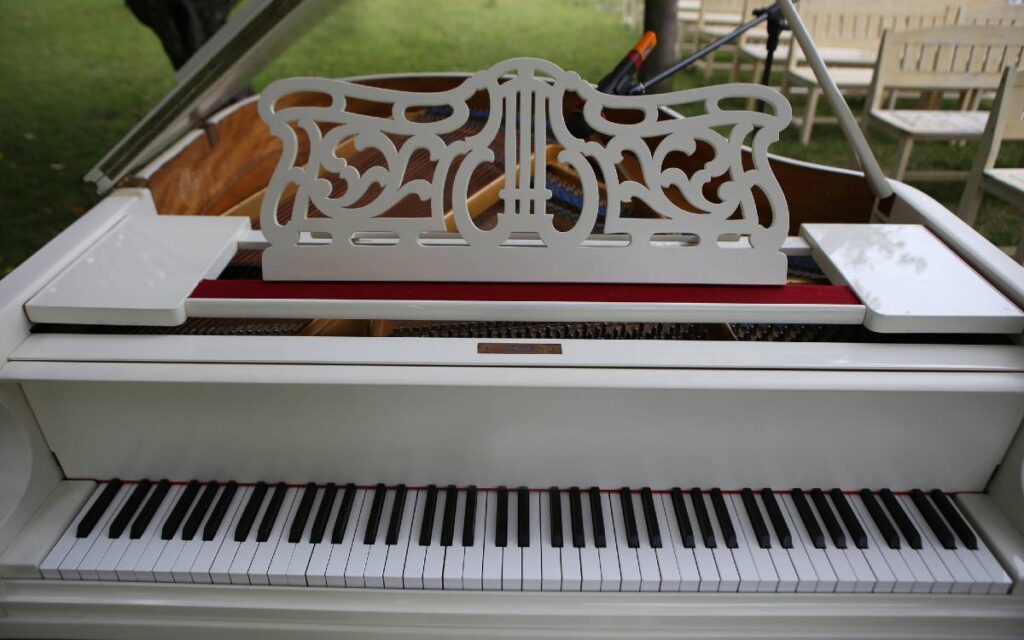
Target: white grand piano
column 400, row 356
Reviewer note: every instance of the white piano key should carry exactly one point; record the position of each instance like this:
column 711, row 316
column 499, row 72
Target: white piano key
column 49, row 567
column 668, row 564
column 377, row 555
column 394, row 566
column 1000, row 581
column 590, row 560
column 260, row 567
column 867, row 561
column 78, row 564
column 353, row 574
column 433, row 561
column 334, row 573
column 961, row 578
column 710, row 579
column 277, row 571
column 295, row 574
column 611, row 576
column 106, row 569
column 789, row 578
column 629, row 564
column 864, row 579
column 650, row 574
column 551, row 556
column 126, row 566
column 491, row 579
column 846, row 578
column 182, row 570
column 532, row 571
column 202, row 568
column 238, row 568
column 512, row 554
column 572, row 572
column 924, row 562
column 731, row 578
column 672, row 537
column 320, row 556
column 455, row 555
column 762, row 559
column 412, row 575
column 902, row 578
column 981, row 581
column 473, row 562
column 827, row 579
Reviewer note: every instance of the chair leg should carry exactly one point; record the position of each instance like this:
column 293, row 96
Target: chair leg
column 709, row 64
column 902, row 156
column 734, row 74
column 808, row 123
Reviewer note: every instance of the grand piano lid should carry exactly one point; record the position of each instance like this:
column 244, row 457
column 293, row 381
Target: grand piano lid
column 252, row 38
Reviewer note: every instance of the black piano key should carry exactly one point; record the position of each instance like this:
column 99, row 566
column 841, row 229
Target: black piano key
column 771, row 505
column 427, row 522
column 597, row 516
column 881, row 520
column 323, row 513
column 682, row 518
column 397, row 510
column 700, row 509
column 344, row 514
column 933, row 519
column 650, row 517
column 128, row 509
column 892, row 505
column 579, row 540
column 188, row 532
column 629, row 518
column 764, row 539
column 252, row 507
column 376, row 508
column 219, row 511
column 523, row 517
column 828, row 518
column 860, row 538
column 555, row 519
column 501, row 527
column 469, row 525
column 185, row 500
column 807, row 517
column 92, row 516
column 963, row 530
column 273, row 510
column 302, row 513
column 724, row 521
column 149, row 509
column 451, row 501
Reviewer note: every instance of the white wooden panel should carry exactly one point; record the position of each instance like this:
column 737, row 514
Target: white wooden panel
column 140, row 272
column 910, row 281
column 599, row 426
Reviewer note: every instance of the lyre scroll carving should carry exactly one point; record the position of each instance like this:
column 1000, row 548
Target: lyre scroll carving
column 406, row 214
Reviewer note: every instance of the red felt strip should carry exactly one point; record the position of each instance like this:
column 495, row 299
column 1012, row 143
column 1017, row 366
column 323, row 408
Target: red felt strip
column 526, row 292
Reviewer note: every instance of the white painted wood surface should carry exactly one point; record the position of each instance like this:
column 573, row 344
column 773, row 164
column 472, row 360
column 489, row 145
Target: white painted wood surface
column 140, row 272
column 909, row 281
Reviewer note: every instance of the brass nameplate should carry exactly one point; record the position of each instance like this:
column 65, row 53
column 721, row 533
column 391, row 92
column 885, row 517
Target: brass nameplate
column 519, row 348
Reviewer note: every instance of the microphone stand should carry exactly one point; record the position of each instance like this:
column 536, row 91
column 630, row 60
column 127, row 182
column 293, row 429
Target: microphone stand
column 776, row 24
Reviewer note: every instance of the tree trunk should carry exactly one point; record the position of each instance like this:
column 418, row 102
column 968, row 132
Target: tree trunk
column 660, row 17
column 182, row 25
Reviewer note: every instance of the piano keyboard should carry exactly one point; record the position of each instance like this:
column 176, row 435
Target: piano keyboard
column 558, row 539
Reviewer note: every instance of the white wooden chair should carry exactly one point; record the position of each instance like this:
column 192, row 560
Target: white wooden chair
column 716, row 18
column 956, row 58
column 991, row 15
column 848, row 34
column 1006, row 122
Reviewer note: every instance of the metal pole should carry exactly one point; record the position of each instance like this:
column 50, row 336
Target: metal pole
column 872, row 171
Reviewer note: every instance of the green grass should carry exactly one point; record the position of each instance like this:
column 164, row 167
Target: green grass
column 75, row 75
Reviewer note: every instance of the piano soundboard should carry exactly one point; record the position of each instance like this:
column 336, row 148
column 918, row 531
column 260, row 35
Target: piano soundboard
column 709, row 392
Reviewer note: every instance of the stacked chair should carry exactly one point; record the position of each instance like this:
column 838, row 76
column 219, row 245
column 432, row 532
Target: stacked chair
column 1005, row 122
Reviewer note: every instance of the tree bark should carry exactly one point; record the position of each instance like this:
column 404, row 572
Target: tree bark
column 660, row 17
column 182, row 25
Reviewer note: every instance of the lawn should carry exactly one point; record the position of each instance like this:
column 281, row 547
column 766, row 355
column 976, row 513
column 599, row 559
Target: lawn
column 77, row 74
